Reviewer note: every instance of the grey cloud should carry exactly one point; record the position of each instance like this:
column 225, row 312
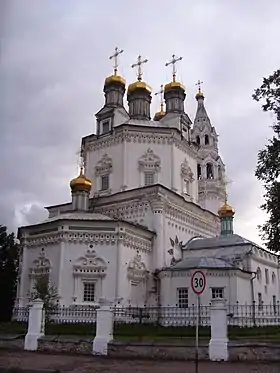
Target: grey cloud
column 54, row 58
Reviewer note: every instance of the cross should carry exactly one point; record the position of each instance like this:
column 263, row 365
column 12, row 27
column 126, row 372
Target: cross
column 115, row 56
column 226, row 182
column 81, row 159
column 138, row 64
column 173, row 61
column 199, row 82
column 161, row 96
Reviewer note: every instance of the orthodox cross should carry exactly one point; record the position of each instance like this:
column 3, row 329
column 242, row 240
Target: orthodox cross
column 173, row 62
column 81, row 160
column 199, row 82
column 115, row 56
column 161, row 96
column 138, row 65
column 226, row 182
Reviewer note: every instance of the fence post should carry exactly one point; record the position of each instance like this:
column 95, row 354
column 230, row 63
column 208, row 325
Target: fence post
column 104, row 327
column 35, row 326
column 218, row 345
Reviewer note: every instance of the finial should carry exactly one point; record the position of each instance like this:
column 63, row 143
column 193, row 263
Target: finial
column 226, row 182
column 115, row 56
column 161, row 92
column 199, row 82
column 138, row 64
column 81, row 161
column 173, row 62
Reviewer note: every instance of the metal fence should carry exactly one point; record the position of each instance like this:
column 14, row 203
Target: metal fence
column 238, row 315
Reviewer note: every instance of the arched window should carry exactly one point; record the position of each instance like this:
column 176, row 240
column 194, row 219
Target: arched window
column 206, row 140
column 209, row 171
column 198, row 140
column 273, row 277
column 198, row 171
column 220, row 176
column 259, row 274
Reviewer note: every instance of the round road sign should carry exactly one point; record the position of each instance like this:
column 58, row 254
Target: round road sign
column 198, row 282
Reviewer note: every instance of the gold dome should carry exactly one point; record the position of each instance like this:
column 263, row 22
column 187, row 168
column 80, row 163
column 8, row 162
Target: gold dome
column 174, row 85
column 138, row 85
column 115, row 79
column 226, row 211
column 159, row 115
column 80, row 183
column 199, row 95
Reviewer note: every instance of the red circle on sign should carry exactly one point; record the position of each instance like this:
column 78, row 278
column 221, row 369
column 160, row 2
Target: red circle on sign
column 198, row 282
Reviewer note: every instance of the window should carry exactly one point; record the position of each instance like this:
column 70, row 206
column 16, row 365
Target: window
column 198, row 140
column 266, row 276
column 217, row 293
column 273, row 277
column 183, row 297
column 198, row 171
column 220, row 175
column 104, row 182
column 259, row 274
column 89, row 292
column 209, row 171
column 206, row 140
column 149, row 178
column 105, row 126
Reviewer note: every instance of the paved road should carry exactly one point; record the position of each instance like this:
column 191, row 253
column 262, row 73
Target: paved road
column 90, row 364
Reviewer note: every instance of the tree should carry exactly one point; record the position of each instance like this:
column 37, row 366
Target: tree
column 268, row 165
column 9, row 261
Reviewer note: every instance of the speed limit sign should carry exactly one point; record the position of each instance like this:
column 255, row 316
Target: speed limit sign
column 198, row 282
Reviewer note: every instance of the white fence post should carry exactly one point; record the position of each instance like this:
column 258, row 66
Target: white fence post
column 218, row 345
column 35, row 326
column 104, row 327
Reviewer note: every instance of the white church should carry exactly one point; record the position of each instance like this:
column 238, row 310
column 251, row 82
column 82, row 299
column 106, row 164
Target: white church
column 148, row 208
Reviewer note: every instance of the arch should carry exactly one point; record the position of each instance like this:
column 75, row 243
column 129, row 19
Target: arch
column 273, row 277
column 209, row 171
column 198, row 171
column 198, row 140
column 40, row 266
column 90, row 265
column 206, row 139
column 259, row 274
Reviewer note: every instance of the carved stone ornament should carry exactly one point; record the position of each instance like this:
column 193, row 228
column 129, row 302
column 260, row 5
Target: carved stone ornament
column 149, row 161
column 136, row 269
column 176, row 250
column 90, row 265
column 41, row 266
column 104, row 166
column 186, row 171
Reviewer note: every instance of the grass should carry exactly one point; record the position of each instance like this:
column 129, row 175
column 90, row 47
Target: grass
column 147, row 331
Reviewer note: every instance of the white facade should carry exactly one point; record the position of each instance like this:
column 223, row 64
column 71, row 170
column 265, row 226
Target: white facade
column 151, row 184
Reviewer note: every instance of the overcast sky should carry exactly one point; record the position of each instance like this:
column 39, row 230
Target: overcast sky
column 54, row 58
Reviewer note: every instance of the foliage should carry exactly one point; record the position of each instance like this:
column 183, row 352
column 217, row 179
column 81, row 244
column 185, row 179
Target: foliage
column 43, row 290
column 9, row 261
column 268, row 165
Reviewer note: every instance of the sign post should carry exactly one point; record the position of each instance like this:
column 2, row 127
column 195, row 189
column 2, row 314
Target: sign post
column 198, row 283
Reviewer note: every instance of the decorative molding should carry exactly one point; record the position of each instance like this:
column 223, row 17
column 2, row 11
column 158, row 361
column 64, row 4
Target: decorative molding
column 90, row 265
column 186, row 171
column 176, row 250
column 104, row 165
column 136, row 270
column 149, row 161
column 40, row 266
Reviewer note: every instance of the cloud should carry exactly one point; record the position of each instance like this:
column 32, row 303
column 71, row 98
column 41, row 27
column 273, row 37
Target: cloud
column 54, row 58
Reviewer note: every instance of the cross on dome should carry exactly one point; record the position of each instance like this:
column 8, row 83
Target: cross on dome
column 138, row 64
column 199, row 82
column 115, row 56
column 173, row 62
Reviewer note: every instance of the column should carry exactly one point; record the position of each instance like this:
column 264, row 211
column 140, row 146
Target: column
column 35, row 326
column 104, row 327
column 218, row 345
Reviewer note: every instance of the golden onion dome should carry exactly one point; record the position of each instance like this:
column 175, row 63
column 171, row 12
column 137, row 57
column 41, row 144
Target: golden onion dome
column 199, row 95
column 174, row 85
column 226, row 211
column 138, row 85
column 115, row 79
column 81, row 183
column 159, row 115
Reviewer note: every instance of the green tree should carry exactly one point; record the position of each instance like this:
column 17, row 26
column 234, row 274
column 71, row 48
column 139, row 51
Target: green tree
column 268, row 165
column 9, row 260
column 43, row 290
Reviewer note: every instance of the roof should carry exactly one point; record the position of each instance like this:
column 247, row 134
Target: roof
column 78, row 216
column 215, row 242
column 202, row 262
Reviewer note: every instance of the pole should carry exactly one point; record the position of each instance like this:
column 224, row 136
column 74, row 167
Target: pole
column 196, row 334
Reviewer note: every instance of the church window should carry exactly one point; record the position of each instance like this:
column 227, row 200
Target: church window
column 105, row 182
column 183, row 297
column 149, row 178
column 105, row 126
column 209, row 171
column 198, row 171
column 266, row 276
column 273, row 277
column 198, row 140
column 206, row 140
column 217, row 293
column 259, row 274
column 89, row 292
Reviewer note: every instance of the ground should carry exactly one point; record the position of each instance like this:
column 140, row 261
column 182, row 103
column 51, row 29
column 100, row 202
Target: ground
column 90, row 364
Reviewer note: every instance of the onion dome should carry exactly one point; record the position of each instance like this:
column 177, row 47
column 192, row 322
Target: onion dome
column 226, row 211
column 159, row 115
column 80, row 183
column 174, row 86
column 199, row 95
column 139, row 85
column 115, row 80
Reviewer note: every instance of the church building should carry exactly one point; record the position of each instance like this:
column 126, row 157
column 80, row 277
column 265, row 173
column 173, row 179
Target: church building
column 148, row 207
